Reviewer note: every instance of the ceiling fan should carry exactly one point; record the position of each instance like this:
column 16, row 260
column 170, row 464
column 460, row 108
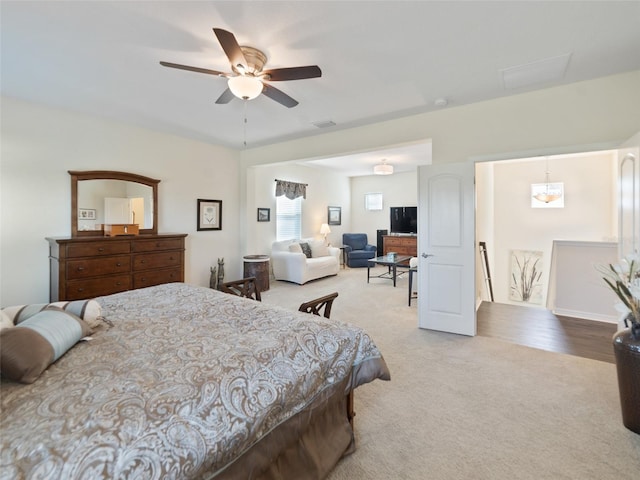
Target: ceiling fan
column 248, row 80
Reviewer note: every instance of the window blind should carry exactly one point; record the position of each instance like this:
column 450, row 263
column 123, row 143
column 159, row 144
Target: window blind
column 288, row 218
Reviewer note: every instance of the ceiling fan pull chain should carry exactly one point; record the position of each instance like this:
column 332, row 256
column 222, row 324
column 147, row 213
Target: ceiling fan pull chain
column 245, row 123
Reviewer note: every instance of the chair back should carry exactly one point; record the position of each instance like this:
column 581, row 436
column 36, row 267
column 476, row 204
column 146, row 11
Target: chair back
column 315, row 306
column 357, row 241
column 245, row 287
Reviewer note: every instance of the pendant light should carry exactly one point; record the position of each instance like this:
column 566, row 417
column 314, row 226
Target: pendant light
column 547, row 196
column 383, row 168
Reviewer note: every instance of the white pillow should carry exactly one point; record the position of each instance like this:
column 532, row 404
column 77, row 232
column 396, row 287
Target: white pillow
column 5, row 321
column 319, row 251
column 88, row 310
column 295, row 248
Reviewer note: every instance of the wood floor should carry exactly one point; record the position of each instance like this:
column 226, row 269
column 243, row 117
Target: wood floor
column 540, row 328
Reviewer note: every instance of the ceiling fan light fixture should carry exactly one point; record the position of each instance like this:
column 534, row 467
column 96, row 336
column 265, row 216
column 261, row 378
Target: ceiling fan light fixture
column 383, row 169
column 245, row 87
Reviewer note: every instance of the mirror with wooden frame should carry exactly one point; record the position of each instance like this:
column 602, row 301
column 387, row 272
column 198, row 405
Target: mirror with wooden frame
column 100, row 197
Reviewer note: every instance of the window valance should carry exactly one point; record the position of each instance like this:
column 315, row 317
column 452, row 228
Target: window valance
column 291, row 190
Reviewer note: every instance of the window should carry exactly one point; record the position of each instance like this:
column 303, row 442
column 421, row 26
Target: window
column 288, row 218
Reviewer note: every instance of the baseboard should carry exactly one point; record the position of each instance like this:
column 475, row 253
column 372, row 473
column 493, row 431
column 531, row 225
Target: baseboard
column 585, row 315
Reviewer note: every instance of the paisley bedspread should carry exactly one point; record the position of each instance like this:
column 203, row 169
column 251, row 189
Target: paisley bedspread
column 177, row 383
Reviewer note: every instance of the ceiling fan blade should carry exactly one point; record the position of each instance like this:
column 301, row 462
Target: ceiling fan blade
column 231, row 48
column 226, row 97
column 193, row 69
column 292, row 73
column 279, row 96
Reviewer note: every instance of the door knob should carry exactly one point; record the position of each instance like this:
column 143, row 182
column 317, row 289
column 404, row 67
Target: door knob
column 427, row 255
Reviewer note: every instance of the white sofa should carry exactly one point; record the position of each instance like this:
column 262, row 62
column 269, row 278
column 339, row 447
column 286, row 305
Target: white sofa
column 291, row 264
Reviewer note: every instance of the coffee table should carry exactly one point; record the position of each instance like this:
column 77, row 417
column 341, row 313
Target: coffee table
column 392, row 264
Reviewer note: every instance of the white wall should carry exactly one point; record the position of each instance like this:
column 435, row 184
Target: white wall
column 39, row 146
column 398, row 190
column 324, row 189
column 589, row 185
column 577, row 114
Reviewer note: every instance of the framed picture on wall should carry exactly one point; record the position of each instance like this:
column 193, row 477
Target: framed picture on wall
column 209, row 214
column 264, row 214
column 86, row 214
column 334, row 215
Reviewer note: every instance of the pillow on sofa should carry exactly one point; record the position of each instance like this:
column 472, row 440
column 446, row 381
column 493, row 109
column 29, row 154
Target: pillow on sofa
column 88, row 310
column 319, row 249
column 295, row 248
column 306, row 249
column 29, row 348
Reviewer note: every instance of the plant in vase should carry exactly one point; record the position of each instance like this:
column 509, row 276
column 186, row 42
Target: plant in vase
column 624, row 280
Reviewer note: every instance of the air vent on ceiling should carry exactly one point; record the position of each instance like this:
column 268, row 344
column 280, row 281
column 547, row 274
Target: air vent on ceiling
column 324, row 124
column 541, row 71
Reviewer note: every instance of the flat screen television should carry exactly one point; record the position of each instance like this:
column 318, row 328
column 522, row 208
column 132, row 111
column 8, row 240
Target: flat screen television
column 404, row 220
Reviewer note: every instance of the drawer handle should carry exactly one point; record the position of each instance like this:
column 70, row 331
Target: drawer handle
column 144, row 279
column 118, row 264
column 141, row 261
column 170, row 258
column 118, row 283
column 80, row 269
column 158, row 244
column 80, row 290
column 101, row 249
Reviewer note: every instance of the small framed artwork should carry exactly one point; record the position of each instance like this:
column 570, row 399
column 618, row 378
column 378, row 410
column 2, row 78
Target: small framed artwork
column 373, row 201
column 264, row 214
column 86, row 214
column 334, row 215
column 209, row 214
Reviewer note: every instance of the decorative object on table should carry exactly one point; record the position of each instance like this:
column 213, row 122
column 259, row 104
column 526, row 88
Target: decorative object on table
column 624, row 280
column 526, row 272
column 264, row 214
column 113, row 230
column 213, row 278
column 86, row 214
column 334, row 215
column 325, row 230
column 220, row 273
column 209, row 214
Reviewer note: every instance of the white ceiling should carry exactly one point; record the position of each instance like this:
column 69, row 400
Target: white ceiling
column 379, row 59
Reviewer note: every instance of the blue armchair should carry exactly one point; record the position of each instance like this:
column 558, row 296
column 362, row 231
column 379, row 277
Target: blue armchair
column 357, row 249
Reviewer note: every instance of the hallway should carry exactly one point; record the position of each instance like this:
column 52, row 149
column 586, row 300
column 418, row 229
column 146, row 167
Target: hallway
column 539, row 328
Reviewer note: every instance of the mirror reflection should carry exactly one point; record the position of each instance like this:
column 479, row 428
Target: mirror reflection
column 114, row 202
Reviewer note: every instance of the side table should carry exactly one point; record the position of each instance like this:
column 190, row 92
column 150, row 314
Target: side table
column 257, row 266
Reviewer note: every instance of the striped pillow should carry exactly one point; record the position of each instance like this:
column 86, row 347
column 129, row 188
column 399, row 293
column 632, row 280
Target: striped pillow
column 30, row 347
column 88, row 310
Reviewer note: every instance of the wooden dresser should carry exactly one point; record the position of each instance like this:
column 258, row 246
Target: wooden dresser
column 87, row 267
column 402, row 245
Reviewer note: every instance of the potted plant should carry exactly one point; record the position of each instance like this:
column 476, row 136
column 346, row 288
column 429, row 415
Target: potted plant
column 624, row 280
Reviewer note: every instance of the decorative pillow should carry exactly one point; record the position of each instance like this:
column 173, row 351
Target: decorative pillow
column 88, row 310
column 319, row 250
column 29, row 348
column 306, row 249
column 5, row 321
column 295, row 248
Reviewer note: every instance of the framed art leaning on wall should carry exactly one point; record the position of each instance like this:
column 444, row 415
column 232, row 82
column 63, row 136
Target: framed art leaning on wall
column 209, row 214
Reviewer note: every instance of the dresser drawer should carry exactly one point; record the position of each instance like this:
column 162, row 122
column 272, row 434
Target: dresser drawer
column 82, row 289
column 158, row 244
column 93, row 267
column 146, row 261
column 157, row 277
column 91, row 249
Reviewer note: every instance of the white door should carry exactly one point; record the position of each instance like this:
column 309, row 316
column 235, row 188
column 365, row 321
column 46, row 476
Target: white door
column 629, row 196
column 446, row 248
column 117, row 211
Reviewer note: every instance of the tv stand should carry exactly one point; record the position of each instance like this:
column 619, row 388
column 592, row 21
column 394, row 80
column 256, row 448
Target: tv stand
column 401, row 244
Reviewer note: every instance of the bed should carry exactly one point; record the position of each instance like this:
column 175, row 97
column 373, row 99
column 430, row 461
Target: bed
column 186, row 382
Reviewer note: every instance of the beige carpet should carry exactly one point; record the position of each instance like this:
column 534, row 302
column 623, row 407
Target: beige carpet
column 470, row 408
